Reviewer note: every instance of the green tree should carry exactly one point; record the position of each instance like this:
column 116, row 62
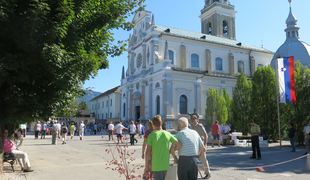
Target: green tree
column 83, row 105
column 49, row 48
column 264, row 102
column 216, row 103
column 228, row 101
column 300, row 110
column 240, row 105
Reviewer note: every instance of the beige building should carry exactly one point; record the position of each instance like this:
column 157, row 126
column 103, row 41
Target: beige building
column 170, row 70
column 106, row 106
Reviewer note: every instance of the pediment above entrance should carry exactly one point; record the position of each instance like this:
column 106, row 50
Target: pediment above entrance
column 136, row 95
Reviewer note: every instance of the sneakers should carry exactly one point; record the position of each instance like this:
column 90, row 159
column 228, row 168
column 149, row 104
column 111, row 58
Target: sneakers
column 207, row 176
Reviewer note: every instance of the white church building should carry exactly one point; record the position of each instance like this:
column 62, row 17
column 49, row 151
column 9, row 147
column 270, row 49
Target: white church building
column 170, row 70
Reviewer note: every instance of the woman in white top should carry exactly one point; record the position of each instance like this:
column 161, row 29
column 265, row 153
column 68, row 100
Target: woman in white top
column 132, row 133
column 81, row 130
column 110, row 130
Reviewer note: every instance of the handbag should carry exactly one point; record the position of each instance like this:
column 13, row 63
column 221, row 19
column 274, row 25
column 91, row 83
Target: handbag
column 172, row 173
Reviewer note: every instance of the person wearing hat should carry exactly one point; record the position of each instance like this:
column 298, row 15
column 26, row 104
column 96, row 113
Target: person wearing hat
column 204, row 136
column 55, row 132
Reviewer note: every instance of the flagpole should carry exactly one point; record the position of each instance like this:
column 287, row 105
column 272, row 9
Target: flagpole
column 278, row 105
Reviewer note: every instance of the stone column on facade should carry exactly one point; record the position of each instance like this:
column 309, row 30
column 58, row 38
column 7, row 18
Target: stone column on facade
column 183, row 57
column 144, row 56
column 230, row 28
column 231, row 64
column 133, row 55
column 130, row 102
column 152, row 53
column 127, row 104
column 129, row 69
column 198, row 95
column 142, row 107
column 168, row 111
column 233, row 29
column 150, row 108
column 208, row 61
column 217, row 25
column 252, row 65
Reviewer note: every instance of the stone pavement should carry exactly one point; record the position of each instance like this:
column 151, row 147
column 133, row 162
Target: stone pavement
column 79, row 160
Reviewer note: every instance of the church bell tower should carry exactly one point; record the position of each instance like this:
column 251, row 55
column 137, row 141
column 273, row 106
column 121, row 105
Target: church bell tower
column 218, row 19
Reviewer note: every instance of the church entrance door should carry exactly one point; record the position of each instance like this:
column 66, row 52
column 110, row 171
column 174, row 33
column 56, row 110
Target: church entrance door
column 137, row 113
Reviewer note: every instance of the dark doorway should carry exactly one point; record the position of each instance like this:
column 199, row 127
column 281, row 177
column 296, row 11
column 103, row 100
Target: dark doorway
column 137, row 112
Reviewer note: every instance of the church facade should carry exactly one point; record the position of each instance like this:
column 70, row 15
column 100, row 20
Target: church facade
column 170, row 70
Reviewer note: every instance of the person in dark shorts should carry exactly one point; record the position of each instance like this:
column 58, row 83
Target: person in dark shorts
column 110, row 130
column 216, row 133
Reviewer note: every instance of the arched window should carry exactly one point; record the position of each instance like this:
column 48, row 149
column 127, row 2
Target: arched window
column 288, row 34
column 218, row 64
column 260, row 65
column 124, row 109
column 240, row 66
column 293, row 33
column 209, row 28
column 183, row 104
column 195, row 60
column 157, row 105
column 171, row 56
column 225, row 27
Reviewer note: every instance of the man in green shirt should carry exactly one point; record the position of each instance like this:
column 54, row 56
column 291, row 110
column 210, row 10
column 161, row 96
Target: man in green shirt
column 158, row 143
column 255, row 131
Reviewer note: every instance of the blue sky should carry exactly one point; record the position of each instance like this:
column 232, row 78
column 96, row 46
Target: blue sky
column 257, row 22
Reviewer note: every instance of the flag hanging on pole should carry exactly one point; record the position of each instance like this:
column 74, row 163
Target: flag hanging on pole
column 286, row 79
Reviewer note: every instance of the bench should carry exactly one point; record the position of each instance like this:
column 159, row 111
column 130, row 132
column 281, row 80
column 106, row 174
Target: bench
column 10, row 158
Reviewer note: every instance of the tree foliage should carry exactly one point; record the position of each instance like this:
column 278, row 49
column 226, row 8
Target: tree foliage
column 264, row 109
column 240, row 105
column 49, row 48
column 216, row 103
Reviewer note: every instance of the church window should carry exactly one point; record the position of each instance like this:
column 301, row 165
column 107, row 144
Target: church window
column 157, row 105
column 157, row 85
column 124, row 110
column 225, row 27
column 240, row 66
column 148, row 55
column 139, row 60
column 183, row 104
column 209, row 28
column 288, row 34
column 260, row 65
column 195, row 60
column 171, row 56
column 124, row 94
column 293, row 33
column 297, row 33
column 218, row 64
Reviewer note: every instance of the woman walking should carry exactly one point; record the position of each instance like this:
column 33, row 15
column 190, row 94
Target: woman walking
column 110, row 130
column 292, row 134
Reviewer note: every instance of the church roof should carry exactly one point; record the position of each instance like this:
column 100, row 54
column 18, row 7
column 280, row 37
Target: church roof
column 208, row 38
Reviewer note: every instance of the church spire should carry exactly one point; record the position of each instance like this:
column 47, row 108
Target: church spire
column 166, row 54
column 123, row 73
column 291, row 24
column 153, row 20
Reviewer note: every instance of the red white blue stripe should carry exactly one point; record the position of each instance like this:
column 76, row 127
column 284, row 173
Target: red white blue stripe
column 286, row 79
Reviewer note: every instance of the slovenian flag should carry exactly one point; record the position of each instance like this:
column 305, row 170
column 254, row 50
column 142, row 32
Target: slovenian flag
column 286, row 79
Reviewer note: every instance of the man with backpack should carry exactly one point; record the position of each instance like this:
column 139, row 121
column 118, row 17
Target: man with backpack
column 64, row 133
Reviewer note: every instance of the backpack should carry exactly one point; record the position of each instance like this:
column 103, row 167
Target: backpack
column 64, row 130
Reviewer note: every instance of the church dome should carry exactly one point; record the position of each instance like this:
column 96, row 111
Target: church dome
column 293, row 45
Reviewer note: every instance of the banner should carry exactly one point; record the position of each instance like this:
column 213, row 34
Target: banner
column 286, row 79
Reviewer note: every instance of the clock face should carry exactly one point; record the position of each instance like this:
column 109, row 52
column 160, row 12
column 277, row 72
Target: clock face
column 139, row 61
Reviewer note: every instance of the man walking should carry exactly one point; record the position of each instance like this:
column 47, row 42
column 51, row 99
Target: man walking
column 255, row 131
column 192, row 148
column 43, row 132
column 158, row 143
column 81, row 130
column 216, row 133
column 119, row 131
column 204, row 136
column 37, row 129
column 55, row 132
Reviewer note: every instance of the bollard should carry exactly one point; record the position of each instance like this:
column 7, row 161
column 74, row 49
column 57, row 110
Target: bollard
column 308, row 163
